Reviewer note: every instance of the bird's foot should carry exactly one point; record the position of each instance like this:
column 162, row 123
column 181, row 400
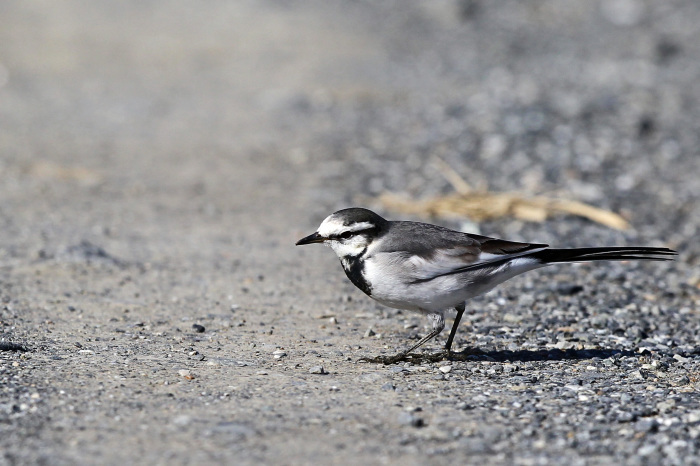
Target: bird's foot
column 386, row 360
column 414, row 358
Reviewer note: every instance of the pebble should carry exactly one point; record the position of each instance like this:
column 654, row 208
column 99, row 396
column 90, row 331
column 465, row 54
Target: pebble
column 388, row 387
column 666, row 406
column 317, row 370
column 408, row 419
column 567, row 289
column 198, row 328
column 278, row 354
column 445, row 369
column 646, row 425
column 680, row 358
column 626, row 416
column 182, row 420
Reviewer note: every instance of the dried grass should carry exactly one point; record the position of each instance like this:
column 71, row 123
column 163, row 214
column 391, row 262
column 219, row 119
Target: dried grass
column 484, row 205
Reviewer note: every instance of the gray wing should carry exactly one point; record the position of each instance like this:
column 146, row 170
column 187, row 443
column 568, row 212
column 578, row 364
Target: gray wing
column 429, row 251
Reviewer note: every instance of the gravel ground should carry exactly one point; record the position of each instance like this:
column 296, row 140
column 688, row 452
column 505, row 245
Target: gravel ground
column 159, row 160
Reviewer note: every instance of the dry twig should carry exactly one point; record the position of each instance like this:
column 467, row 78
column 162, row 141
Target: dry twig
column 484, row 205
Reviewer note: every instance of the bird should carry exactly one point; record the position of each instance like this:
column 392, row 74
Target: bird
column 430, row 269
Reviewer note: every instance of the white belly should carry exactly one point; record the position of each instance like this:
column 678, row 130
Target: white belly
column 395, row 287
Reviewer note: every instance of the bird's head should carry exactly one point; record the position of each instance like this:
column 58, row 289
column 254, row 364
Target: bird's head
column 348, row 232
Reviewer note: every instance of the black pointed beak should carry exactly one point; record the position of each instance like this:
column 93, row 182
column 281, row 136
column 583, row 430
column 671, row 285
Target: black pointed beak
column 312, row 238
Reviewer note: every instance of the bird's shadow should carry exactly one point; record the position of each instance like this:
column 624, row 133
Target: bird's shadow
column 475, row 354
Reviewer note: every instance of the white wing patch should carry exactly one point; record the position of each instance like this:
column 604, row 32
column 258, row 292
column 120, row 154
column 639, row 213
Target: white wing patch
column 447, row 261
column 417, row 283
column 444, row 261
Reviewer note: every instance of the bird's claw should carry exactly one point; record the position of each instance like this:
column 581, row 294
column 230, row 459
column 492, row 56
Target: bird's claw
column 425, row 357
column 386, row 360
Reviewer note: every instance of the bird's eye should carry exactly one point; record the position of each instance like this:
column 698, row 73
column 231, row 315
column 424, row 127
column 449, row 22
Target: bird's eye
column 346, row 235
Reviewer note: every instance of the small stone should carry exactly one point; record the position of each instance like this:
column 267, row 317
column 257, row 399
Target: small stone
column 526, row 300
column 682, row 380
column 693, row 417
column 186, row 374
column 198, row 328
column 666, row 406
column 278, row 354
column 445, row 369
column 646, row 425
column 317, row 370
column 369, row 333
column 647, row 450
column 182, row 420
column 408, row 419
column 626, row 416
column 680, row 358
column 388, row 387
column 567, row 289
column 623, row 12
column 397, row 369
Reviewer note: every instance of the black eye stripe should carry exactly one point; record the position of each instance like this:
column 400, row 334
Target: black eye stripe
column 349, row 234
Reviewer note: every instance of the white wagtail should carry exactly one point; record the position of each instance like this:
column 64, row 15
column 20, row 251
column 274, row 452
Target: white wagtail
column 430, row 269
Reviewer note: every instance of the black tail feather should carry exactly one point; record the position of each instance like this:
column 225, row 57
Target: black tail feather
column 550, row 256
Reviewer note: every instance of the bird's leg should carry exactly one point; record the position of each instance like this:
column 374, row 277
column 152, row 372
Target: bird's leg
column 438, row 323
column 460, row 310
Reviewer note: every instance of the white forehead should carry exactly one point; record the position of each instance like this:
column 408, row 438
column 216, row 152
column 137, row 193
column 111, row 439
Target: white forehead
column 334, row 225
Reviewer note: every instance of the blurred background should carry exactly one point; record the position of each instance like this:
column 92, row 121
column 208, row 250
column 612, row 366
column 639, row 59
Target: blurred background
column 344, row 101
column 158, row 160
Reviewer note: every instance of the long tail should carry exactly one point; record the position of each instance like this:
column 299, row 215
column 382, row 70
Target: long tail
column 550, row 256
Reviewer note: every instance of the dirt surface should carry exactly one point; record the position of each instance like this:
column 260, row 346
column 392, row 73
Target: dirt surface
column 158, row 160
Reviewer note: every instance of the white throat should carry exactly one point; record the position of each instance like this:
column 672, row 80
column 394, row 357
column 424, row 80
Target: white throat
column 352, row 247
